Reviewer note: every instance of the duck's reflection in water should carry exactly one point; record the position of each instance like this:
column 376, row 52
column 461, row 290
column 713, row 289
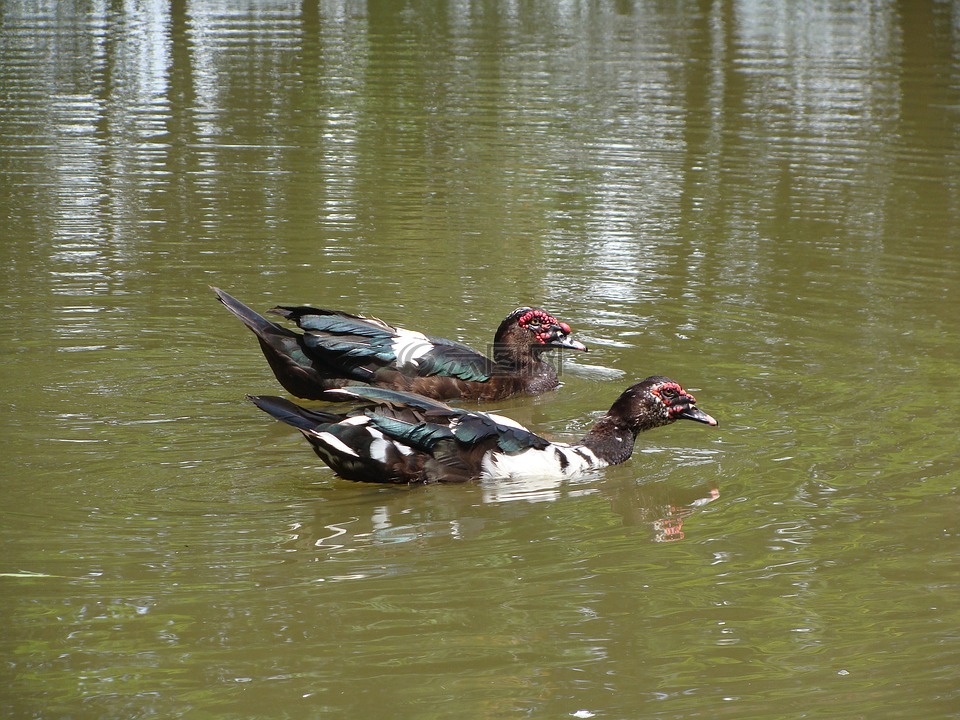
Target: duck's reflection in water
column 438, row 514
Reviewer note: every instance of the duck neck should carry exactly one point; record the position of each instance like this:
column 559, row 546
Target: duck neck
column 610, row 440
column 511, row 362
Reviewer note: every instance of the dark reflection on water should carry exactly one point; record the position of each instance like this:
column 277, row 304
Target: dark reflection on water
column 457, row 514
column 759, row 199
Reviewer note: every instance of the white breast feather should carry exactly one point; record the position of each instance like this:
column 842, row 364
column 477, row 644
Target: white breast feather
column 540, row 463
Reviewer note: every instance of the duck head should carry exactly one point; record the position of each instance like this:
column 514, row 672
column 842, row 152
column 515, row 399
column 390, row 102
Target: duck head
column 654, row 402
column 535, row 329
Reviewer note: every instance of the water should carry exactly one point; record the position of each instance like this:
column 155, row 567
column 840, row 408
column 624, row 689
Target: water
column 761, row 200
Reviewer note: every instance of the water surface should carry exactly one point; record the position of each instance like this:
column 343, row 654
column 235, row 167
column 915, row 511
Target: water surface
column 759, row 200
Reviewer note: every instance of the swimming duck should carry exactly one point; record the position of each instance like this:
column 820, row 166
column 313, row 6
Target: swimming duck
column 391, row 436
column 337, row 348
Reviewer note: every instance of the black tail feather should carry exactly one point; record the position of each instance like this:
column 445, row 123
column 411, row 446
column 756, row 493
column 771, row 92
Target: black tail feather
column 292, row 414
column 299, row 373
column 250, row 317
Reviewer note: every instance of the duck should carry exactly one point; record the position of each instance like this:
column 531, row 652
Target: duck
column 337, row 348
column 391, row 436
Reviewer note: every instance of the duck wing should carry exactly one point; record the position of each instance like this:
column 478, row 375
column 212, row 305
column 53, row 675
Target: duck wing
column 362, row 346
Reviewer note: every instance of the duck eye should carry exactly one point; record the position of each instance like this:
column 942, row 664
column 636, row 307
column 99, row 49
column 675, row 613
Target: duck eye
column 669, row 393
column 533, row 319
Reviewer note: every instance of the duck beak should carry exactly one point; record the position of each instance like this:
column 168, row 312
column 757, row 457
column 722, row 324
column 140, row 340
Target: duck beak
column 569, row 343
column 560, row 338
column 697, row 415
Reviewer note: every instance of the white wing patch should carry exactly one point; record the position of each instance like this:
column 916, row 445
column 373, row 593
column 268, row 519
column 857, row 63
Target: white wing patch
column 404, row 449
column 509, row 422
column 335, row 443
column 409, row 346
column 379, row 445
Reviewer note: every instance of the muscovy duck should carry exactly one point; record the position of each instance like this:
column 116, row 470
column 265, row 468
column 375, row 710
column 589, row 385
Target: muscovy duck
column 337, row 348
column 398, row 437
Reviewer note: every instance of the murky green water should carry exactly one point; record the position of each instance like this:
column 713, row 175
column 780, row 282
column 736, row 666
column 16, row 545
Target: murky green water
column 759, row 199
